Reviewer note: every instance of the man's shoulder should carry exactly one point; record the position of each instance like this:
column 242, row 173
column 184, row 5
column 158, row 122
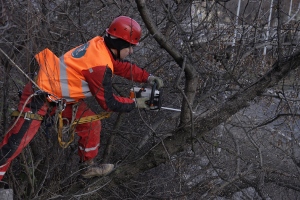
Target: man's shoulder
column 97, row 38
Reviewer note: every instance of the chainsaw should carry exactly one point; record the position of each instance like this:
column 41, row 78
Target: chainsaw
column 154, row 97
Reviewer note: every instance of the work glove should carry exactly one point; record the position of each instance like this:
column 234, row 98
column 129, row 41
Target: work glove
column 153, row 79
column 141, row 103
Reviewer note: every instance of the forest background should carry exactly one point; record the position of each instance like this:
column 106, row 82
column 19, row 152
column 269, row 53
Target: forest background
column 231, row 66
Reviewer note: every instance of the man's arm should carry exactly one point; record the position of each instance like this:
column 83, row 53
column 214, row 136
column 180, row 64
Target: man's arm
column 99, row 80
column 130, row 71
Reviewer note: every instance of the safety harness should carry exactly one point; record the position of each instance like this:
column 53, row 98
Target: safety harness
column 27, row 115
column 59, row 121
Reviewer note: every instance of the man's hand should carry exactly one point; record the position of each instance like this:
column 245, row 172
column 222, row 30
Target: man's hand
column 141, row 103
column 153, row 79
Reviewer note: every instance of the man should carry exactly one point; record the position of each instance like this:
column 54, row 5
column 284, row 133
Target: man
column 63, row 83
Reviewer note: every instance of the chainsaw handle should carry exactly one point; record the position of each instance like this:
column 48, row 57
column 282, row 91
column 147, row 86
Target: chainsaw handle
column 152, row 94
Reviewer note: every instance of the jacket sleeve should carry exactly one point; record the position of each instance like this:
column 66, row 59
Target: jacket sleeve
column 100, row 84
column 130, row 71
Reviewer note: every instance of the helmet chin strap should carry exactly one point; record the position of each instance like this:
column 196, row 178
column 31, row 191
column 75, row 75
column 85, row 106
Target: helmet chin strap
column 115, row 52
column 116, row 43
column 118, row 53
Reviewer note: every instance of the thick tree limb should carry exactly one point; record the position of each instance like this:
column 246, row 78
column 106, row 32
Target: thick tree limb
column 190, row 72
column 240, row 100
column 206, row 123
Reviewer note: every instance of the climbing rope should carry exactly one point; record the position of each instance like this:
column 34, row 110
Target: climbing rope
column 69, row 127
column 20, row 69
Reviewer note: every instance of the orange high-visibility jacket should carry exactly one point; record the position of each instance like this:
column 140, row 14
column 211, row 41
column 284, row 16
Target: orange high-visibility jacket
column 86, row 71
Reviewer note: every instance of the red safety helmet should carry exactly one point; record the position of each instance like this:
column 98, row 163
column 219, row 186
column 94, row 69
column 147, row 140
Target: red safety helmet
column 125, row 28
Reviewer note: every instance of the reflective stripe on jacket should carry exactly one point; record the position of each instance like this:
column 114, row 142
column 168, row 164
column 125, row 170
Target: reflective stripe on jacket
column 62, row 77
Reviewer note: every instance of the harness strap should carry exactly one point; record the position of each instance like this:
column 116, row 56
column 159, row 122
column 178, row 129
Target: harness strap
column 27, row 115
column 91, row 118
column 60, row 124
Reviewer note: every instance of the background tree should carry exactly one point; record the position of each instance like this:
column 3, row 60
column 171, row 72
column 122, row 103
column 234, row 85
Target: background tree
column 232, row 68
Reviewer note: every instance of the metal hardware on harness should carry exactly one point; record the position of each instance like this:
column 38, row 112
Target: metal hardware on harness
column 62, row 103
column 27, row 115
